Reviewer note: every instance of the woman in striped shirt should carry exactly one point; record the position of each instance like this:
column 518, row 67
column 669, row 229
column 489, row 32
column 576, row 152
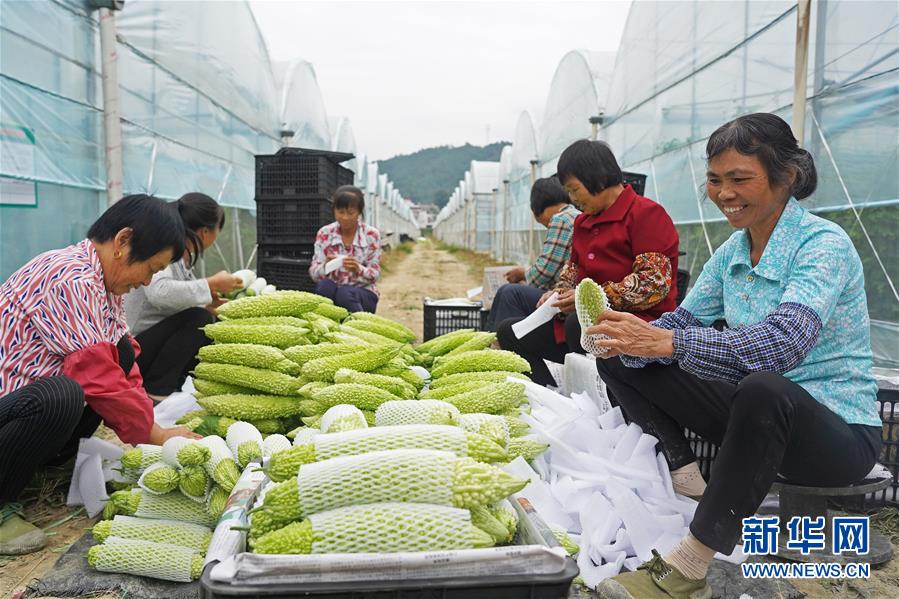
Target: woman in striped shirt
column 66, row 358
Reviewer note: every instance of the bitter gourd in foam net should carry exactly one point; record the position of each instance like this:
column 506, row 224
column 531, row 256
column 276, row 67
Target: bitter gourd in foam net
column 377, row 528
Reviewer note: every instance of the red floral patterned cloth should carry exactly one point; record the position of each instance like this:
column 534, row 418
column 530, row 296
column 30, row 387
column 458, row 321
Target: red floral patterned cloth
column 366, row 249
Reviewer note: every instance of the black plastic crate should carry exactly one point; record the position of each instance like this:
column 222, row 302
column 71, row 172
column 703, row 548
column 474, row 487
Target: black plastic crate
column 286, row 273
column 705, row 452
column 635, row 180
column 888, row 402
column 683, row 282
column 439, row 320
column 345, row 176
column 300, row 173
column 302, row 251
column 291, row 221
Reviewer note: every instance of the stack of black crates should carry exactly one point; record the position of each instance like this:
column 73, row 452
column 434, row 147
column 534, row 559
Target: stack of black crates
column 293, row 201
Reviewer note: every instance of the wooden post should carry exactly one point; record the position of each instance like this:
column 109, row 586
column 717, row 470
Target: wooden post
column 803, row 17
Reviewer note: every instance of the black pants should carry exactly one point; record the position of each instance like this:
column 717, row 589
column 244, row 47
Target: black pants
column 354, row 299
column 38, row 425
column 169, row 349
column 42, row 423
column 765, row 425
column 540, row 344
column 512, row 300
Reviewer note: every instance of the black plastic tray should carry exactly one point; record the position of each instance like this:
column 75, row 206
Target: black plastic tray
column 495, row 587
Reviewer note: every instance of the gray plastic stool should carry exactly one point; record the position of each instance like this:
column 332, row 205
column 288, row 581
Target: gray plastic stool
column 798, row 500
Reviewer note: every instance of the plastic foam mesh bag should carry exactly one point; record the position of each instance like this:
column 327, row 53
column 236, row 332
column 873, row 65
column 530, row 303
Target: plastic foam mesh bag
column 495, row 428
column 342, row 417
column 413, row 475
column 416, row 411
column 146, row 558
column 589, row 302
column 391, row 527
column 382, row 438
column 173, row 506
column 171, row 532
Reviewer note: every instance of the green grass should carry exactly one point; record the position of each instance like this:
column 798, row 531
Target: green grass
column 392, row 258
column 476, row 261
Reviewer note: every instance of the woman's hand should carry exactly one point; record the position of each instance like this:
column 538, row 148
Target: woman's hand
column 224, row 282
column 516, row 275
column 632, row 336
column 217, row 301
column 159, row 435
column 351, row 264
column 545, row 297
column 565, row 303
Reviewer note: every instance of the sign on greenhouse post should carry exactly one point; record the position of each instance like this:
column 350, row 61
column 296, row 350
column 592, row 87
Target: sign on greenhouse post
column 17, row 185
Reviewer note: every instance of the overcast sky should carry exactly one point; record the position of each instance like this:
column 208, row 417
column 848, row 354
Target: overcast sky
column 411, row 75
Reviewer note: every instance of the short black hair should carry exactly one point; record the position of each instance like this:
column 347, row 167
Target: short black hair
column 349, row 196
column 770, row 139
column 155, row 226
column 547, row 192
column 199, row 211
column 590, row 162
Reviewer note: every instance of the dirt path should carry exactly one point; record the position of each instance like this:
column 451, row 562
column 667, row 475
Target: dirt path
column 427, row 272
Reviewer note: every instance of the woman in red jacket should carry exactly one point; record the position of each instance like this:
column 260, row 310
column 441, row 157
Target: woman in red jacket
column 66, row 358
column 625, row 242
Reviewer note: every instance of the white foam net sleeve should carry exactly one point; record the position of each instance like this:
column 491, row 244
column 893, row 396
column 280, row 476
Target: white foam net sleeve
column 174, row 506
column 494, row 427
column 170, row 450
column 172, row 532
column 275, row 443
column 412, row 475
column 305, row 436
column 149, row 470
column 239, row 433
column 416, row 411
column 391, row 527
column 189, row 471
column 145, row 558
column 589, row 301
column 352, row 416
column 150, row 454
column 219, row 451
column 381, row 438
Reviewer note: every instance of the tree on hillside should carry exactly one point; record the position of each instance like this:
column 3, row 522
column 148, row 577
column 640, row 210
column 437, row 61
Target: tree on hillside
column 429, row 176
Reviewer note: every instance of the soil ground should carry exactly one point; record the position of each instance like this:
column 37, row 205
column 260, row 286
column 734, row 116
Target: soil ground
column 44, row 505
column 411, row 273
column 425, row 269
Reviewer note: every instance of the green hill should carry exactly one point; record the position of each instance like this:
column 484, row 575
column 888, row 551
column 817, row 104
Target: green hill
column 429, row 176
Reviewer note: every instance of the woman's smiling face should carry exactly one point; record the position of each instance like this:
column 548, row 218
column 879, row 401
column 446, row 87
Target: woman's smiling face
column 582, row 199
column 739, row 186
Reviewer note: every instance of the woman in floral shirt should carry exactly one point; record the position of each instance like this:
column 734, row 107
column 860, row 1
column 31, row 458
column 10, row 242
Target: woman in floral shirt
column 350, row 282
column 786, row 390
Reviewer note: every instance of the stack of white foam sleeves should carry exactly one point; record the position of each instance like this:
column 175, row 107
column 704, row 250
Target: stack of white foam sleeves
column 602, row 481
